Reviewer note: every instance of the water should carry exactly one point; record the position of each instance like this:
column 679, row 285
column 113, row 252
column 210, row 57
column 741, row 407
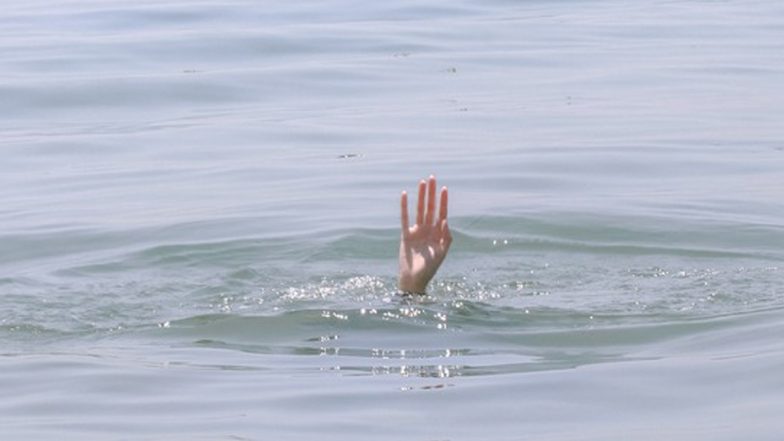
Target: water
column 198, row 219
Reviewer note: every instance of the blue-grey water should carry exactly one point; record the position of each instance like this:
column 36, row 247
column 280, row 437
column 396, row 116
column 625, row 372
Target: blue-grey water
column 199, row 225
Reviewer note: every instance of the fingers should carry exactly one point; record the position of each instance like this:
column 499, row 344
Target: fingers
column 404, row 212
column 426, row 204
column 420, row 219
column 446, row 234
column 431, row 200
column 444, row 203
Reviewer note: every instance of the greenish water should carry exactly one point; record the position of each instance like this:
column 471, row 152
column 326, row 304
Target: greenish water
column 198, row 220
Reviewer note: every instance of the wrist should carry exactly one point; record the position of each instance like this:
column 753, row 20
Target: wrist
column 409, row 285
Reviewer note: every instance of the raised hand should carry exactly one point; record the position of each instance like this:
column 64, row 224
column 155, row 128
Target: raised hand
column 424, row 246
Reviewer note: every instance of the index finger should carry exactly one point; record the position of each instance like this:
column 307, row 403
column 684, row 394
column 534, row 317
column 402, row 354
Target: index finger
column 444, row 203
column 404, row 212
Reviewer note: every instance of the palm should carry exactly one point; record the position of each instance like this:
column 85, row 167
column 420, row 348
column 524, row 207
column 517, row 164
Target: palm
column 423, row 246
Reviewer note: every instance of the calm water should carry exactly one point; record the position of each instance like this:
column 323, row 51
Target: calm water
column 198, row 219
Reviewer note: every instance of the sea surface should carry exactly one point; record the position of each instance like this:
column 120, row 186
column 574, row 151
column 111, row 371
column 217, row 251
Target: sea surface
column 199, row 219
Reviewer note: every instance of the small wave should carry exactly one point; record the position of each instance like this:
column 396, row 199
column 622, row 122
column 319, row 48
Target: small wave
column 458, row 339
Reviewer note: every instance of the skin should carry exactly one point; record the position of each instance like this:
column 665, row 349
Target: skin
column 424, row 245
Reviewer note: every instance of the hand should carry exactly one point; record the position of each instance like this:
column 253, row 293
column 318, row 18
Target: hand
column 424, row 246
